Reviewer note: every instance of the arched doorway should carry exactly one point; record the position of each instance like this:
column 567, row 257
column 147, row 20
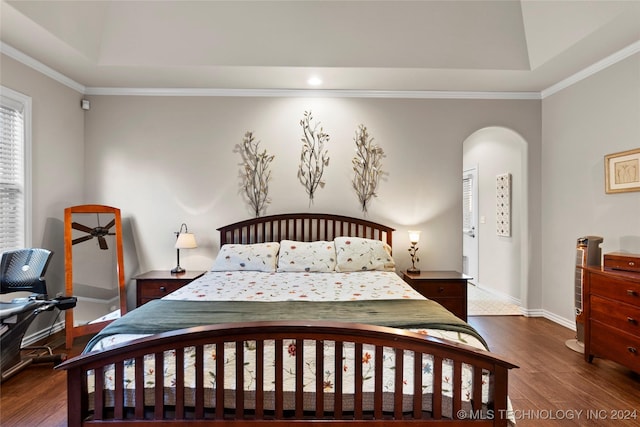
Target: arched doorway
column 502, row 264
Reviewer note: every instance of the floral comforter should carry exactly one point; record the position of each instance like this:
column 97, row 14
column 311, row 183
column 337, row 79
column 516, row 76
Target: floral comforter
column 259, row 286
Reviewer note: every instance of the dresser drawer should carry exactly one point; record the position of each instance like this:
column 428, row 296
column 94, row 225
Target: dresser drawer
column 437, row 289
column 620, row 316
column 619, row 289
column 622, row 261
column 615, row 345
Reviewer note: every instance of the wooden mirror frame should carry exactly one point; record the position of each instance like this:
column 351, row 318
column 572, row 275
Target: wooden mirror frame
column 73, row 331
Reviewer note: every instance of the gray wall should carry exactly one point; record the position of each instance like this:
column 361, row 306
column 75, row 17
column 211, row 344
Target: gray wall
column 168, row 160
column 57, row 163
column 581, row 124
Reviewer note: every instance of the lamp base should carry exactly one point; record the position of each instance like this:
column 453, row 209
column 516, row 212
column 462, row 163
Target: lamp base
column 178, row 270
column 413, row 270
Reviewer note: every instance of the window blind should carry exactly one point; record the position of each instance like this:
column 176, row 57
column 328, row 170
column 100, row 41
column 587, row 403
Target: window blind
column 12, row 174
column 467, row 203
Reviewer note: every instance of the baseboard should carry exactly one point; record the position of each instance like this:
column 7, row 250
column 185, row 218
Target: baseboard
column 42, row 335
column 501, row 296
column 538, row 312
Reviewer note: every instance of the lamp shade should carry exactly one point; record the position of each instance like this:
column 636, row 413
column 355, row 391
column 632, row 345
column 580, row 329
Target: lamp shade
column 414, row 236
column 186, row 241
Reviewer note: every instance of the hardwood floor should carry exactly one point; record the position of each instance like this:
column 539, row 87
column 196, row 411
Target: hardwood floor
column 554, row 386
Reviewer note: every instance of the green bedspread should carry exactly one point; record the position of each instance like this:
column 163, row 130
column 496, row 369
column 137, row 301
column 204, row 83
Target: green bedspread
column 165, row 315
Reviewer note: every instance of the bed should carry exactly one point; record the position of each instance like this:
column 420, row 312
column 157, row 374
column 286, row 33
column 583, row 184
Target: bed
column 302, row 320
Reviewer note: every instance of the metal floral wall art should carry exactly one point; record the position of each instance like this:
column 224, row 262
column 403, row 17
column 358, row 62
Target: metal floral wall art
column 313, row 156
column 254, row 173
column 367, row 167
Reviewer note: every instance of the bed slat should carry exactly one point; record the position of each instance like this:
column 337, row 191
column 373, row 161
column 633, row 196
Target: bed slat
column 259, row 379
column 436, row 403
column 219, row 380
column 239, row 380
column 397, row 387
column 139, row 384
column 378, row 382
column 279, row 379
column 118, row 410
column 159, row 391
column 179, row 383
column 98, row 401
column 319, row 379
column 417, row 384
column 199, row 378
column 299, row 349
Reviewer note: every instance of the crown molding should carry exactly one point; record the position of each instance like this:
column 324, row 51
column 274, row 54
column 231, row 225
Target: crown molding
column 612, row 59
column 292, row 93
column 39, row 66
column 575, row 78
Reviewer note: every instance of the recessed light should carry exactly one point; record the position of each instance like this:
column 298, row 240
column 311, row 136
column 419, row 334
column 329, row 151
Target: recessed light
column 314, row 81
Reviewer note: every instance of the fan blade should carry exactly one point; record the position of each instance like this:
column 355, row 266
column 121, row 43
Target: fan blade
column 111, row 224
column 81, row 239
column 81, row 227
column 103, row 243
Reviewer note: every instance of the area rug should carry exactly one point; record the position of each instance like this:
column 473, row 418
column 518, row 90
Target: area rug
column 484, row 303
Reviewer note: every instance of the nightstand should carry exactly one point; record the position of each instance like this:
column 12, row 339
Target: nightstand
column 158, row 283
column 448, row 288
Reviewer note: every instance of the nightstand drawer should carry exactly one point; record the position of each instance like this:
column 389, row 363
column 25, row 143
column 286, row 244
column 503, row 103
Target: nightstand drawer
column 437, row 289
column 156, row 284
column 159, row 288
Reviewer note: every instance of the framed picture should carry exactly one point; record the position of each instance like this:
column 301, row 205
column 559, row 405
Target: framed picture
column 622, row 171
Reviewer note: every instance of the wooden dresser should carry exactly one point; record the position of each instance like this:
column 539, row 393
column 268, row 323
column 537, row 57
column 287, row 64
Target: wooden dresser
column 612, row 315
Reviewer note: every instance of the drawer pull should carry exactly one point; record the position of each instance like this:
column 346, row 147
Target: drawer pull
column 632, row 320
column 441, row 289
column 163, row 289
column 632, row 350
column 631, row 292
column 631, row 263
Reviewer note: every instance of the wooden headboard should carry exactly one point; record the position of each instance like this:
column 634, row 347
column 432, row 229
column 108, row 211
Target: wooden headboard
column 305, row 227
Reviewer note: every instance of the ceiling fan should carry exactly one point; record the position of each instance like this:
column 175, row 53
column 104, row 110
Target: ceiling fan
column 97, row 231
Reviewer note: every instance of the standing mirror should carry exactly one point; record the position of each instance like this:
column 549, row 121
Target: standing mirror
column 94, row 268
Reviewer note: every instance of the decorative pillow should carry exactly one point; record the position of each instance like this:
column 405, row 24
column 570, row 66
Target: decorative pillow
column 359, row 254
column 256, row 257
column 317, row 256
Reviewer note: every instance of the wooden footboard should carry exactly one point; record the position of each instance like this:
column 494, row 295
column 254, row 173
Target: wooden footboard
column 91, row 401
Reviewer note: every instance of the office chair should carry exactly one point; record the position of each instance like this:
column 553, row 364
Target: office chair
column 23, row 270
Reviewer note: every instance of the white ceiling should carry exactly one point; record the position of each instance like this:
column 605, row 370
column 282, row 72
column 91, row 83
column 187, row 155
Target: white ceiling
column 451, row 45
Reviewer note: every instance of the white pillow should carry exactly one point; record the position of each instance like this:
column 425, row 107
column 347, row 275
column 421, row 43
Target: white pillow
column 317, row 256
column 255, row 257
column 359, row 254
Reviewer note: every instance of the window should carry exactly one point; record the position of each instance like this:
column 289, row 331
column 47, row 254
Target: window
column 15, row 155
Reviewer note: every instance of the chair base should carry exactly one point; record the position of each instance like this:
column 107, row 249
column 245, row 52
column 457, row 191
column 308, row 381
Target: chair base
column 37, row 354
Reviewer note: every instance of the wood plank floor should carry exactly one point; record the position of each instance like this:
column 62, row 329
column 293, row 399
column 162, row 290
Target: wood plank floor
column 554, row 386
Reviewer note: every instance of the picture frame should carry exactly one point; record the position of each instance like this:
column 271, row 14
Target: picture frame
column 622, row 171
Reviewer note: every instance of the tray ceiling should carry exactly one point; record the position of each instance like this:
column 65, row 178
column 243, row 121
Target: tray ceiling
column 496, row 46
